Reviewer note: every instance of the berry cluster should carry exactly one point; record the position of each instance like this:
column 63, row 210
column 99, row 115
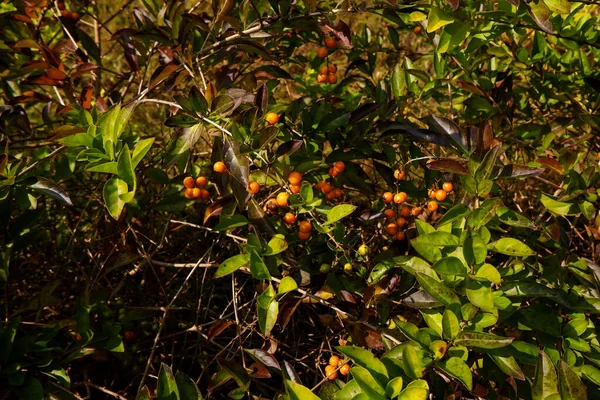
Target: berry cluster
column 328, row 73
column 194, row 188
column 336, row 364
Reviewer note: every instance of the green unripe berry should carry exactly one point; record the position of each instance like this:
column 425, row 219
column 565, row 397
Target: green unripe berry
column 363, row 250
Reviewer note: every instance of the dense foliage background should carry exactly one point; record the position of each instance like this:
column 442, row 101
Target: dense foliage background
column 410, row 187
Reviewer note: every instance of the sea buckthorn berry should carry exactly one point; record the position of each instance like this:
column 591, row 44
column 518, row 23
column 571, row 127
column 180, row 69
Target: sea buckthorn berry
column 330, row 372
column 345, row 369
column 416, row 211
column 189, row 182
column 441, row 195
column 219, row 167
column 400, row 198
column 289, row 218
column 332, row 78
column 282, row 199
column 391, row 229
column 253, row 187
column 390, row 214
column 432, row 206
column 322, row 52
column 431, row 193
column 399, row 174
column 348, row 267
column 333, row 172
column 330, row 42
column 189, row 193
column 333, row 361
column 332, row 68
column 340, row 166
column 388, row 197
column 196, row 193
column 405, row 212
column 337, row 193
column 400, row 235
column 304, row 236
column 417, row 30
column 204, row 194
column 305, row 227
column 272, row 118
column 401, row 222
column 363, row 250
column 322, row 78
column 295, row 178
column 326, row 188
column 324, row 70
column 330, row 196
column 319, row 185
column 201, row 181
column 295, row 188
column 448, row 187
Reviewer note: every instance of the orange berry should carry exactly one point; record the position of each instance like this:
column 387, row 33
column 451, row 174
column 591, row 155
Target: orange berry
column 201, row 181
column 337, row 193
column 441, row 195
column 196, row 193
column 326, row 188
column 400, row 235
column 345, row 369
column 390, row 214
column 416, row 211
column 340, row 166
column 322, row 52
column 272, row 118
column 282, row 199
column 417, row 30
column 319, row 185
column 324, row 70
column 322, row 78
column 253, row 187
column 330, row 372
column 305, row 227
column 447, row 186
column 189, row 182
column 333, row 172
column 401, row 222
column 432, row 206
column 400, row 198
column 289, row 218
column 388, row 197
column 219, row 167
column 332, row 68
column 129, row 336
column 399, row 174
column 330, row 42
column 391, row 229
column 295, row 188
column 332, row 78
column 405, row 212
column 189, row 193
column 295, row 178
column 204, row 194
column 331, row 196
column 432, row 193
column 304, row 236
column 333, row 361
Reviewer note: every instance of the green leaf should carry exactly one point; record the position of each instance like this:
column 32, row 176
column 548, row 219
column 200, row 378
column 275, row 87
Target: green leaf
column 433, row 319
column 144, row 394
column 540, row 13
column 450, row 325
column 437, row 19
column 575, row 328
column 268, row 309
column 125, row 167
column 488, row 273
column 509, row 366
column 474, row 249
column 140, row 150
column 412, row 265
column 287, row 284
column 298, row 392
column 394, row 387
column 188, row 390
column 416, row 390
column 571, row 387
column 113, row 189
column 457, row 369
column 368, row 383
column 49, row 188
column 31, row 389
column 167, row 386
column 398, row 80
column 450, row 266
column 437, row 290
column 366, row 359
column 276, row 245
column 527, row 289
column 480, row 295
column 258, row 268
column 334, row 121
column 453, row 214
column 411, row 362
column 559, row 207
column 235, row 221
column 104, row 168
column 489, row 162
column 186, row 141
column 511, row 247
column 482, row 340
column 591, row 373
column 338, row 212
column 545, row 382
column 231, row 265
column 559, row 6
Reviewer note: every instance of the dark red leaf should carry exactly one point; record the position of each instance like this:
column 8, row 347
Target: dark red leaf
column 551, row 163
column 217, row 328
column 449, row 165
